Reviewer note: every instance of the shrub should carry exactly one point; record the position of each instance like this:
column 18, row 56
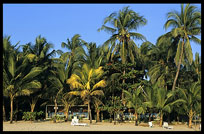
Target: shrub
column 39, row 115
column 32, row 115
column 29, row 116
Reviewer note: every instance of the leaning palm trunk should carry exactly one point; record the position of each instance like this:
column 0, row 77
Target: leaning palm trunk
column 178, row 67
column 11, row 113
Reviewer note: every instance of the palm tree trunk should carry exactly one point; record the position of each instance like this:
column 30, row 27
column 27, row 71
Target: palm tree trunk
column 178, row 67
column 67, row 114
column 11, row 113
column 190, row 118
column 114, row 119
column 123, row 62
column 123, row 89
column 33, row 103
column 4, row 112
column 161, row 119
column 97, row 116
column 89, row 112
column 136, row 117
column 55, row 111
column 149, row 116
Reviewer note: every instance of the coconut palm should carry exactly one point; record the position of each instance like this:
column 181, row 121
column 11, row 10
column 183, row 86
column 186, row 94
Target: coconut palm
column 149, row 94
column 133, row 100
column 39, row 55
column 186, row 25
column 68, row 101
column 197, row 65
column 97, row 104
column 164, row 102
column 75, row 51
column 94, row 56
column 18, row 78
column 123, row 24
column 87, row 84
column 192, row 97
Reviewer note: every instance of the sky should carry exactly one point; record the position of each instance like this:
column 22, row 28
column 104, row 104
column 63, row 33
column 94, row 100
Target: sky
column 57, row 22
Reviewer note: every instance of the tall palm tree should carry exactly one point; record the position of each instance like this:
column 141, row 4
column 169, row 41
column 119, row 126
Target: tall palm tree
column 75, row 50
column 60, row 89
column 123, row 24
column 197, row 65
column 133, row 100
column 192, row 97
column 18, row 77
column 186, row 25
column 40, row 55
column 94, row 56
column 88, row 84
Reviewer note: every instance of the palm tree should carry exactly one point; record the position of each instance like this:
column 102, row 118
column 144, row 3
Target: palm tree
column 68, row 101
column 133, row 100
column 18, row 79
column 39, row 55
column 197, row 66
column 149, row 94
column 186, row 25
column 97, row 103
column 58, row 88
column 192, row 97
column 76, row 54
column 87, row 82
column 164, row 102
column 94, row 56
column 123, row 23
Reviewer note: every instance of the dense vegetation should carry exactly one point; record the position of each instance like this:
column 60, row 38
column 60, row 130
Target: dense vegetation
column 115, row 77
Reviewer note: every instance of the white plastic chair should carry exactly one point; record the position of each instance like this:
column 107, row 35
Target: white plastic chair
column 166, row 125
column 150, row 124
column 75, row 122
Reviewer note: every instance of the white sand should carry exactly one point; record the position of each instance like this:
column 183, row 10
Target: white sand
column 66, row 126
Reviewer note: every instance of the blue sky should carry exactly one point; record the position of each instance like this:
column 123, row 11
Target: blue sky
column 57, row 22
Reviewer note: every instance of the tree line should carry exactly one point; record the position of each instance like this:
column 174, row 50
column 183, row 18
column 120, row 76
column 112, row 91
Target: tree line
column 118, row 75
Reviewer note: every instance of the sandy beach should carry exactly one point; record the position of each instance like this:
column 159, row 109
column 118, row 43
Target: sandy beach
column 105, row 126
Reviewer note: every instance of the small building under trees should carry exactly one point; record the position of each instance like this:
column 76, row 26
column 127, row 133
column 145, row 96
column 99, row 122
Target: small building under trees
column 81, row 111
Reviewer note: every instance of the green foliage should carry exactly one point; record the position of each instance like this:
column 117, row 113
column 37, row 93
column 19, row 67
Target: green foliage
column 101, row 75
column 29, row 116
column 32, row 116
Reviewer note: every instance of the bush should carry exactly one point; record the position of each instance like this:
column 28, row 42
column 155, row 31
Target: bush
column 39, row 115
column 29, row 116
column 58, row 117
column 32, row 115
